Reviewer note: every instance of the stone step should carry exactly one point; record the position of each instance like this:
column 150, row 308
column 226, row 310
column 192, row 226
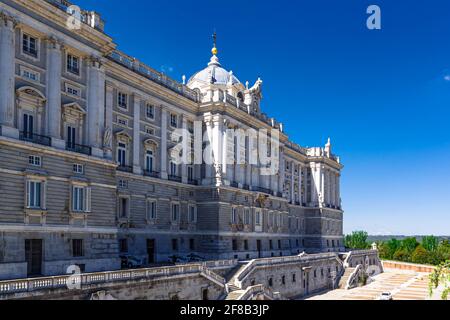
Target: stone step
column 234, row 295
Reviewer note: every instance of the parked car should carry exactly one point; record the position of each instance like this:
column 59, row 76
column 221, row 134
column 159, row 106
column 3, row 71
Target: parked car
column 130, row 261
column 385, row 296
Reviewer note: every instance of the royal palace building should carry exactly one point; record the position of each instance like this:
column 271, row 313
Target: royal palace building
column 99, row 157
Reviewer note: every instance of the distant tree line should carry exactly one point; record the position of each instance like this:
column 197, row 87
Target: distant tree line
column 429, row 251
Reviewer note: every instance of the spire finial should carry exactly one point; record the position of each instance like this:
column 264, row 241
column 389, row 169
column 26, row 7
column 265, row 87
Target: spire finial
column 214, row 49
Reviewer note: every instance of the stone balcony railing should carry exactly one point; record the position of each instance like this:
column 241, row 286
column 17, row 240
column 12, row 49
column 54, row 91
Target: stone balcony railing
column 151, row 74
column 89, row 279
column 90, row 18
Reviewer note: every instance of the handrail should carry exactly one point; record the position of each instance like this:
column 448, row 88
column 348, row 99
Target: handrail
column 352, row 276
column 259, row 288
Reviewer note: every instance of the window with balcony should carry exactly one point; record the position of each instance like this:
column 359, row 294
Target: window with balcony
column 175, row 244
column 149, row 160
column 258, row 218
column 35, row 194
column 122, row 100
column 71, row 138
column 28, row 125
column 123, row 245
column 173, row 169
column 190, row 173
column 73, row 64
column 29, row 45
column 122, row 154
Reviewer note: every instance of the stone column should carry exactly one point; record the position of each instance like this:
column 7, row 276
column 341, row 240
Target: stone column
column 137, row 135
column 95, row 105
column 107, row 135
column 7, row 67
column 163, row 143
column 208, row 160
column 225, row 162
column 322, row 185
column 281, row 172
column 338, row 190
column 184, row 158
column 217, row 148
column 54, row 66
column 292, row 182
column 300, row 182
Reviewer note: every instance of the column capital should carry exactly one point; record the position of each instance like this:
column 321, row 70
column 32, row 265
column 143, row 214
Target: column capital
column 7, row 20
column 95, row 62
column 54, row 43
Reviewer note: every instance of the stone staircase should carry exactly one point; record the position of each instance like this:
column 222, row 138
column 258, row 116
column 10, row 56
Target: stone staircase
column 343, row 281
column 234, row 291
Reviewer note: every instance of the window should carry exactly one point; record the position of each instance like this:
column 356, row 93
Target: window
column 121, row 154
column 34, row 161
column 191, row 244
column 234, row 244
column 283, row 280
column 150, row 131
column 28, row 124
column 150, row 111
column 173, row 120
column 149, row 160
column 321, row 272
column 28, row 74
column 72, row 90
column 270, row 282
column 34, row 194
column 29, row 45
column 78, row 168
column 73, row 64
column 151, row 209
column 192, row 214
column 77, row 248
column 175, row 212
column 122, row 121
column 71, row 137
column 190, row 173
column 81, row 198
column 123, row 245
column 258, row 218
column 270, row 245
column 247, row 216
column 279, row 244
column 123, row 184
column 233, row 215
column 245, row 244
column 294, row 277
column 122, row 100
column 173, row 168
column 123, row 207
column 315, row 274
column 175, row 244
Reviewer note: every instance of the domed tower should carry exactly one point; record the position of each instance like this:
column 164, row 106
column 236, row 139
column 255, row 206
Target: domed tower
column 214, row 76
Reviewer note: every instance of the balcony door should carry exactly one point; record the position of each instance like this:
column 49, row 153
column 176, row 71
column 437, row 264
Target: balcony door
column 28, row 126
column 71, row 137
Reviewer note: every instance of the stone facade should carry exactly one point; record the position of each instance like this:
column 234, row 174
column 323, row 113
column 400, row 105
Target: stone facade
column 88, row 141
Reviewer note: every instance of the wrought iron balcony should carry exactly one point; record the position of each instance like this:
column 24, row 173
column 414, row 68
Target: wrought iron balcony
column 78, row 148
column 125, row 168
column 246, row 187
column 35, row 138
column 152, row 174
column 174, row 178
column 234, row 184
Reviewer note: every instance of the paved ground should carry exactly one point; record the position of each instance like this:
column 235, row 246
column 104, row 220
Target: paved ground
column 404, row 285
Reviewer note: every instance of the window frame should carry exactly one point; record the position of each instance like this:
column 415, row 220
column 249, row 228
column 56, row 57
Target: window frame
column 69, row 66
column 35, row 57
column 125, row 97
column 151, row 215
column 77, row 248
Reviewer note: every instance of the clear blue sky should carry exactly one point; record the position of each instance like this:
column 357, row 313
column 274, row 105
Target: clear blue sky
column 383, row 96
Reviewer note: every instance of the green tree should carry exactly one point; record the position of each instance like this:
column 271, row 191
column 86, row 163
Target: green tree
column 402, row 255
column 409, row 244
column 391, row 247
column 430, row 243
column 441, row 276
column 420, row 255
column 357, row 240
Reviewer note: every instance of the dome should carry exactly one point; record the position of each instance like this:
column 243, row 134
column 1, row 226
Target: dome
column 214, row 73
